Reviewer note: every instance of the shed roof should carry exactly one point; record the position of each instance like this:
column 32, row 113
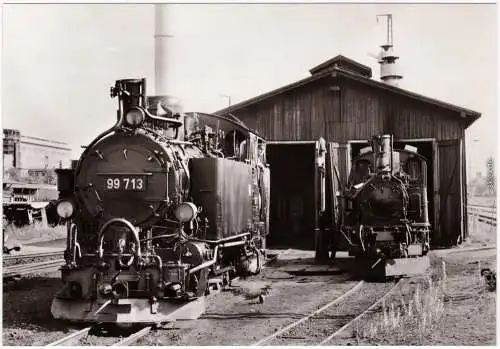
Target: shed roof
column 322, row 72
column 345, row 63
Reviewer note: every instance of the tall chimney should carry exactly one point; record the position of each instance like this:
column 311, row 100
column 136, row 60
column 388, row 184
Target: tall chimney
column 162, row 50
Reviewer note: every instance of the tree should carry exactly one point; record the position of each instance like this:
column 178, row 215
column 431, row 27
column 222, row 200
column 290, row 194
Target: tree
column 490, row 176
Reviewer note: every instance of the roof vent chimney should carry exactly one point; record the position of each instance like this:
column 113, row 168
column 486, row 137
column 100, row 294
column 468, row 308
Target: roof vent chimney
column 389, row 70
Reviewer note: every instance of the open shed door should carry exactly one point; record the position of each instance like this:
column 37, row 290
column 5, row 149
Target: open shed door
column 450, row 220
column 337, row 178
column 335, row 182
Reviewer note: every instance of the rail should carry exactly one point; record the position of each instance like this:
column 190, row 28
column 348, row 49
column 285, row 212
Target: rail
column 307, row 317
column 370, row 309
column 71, row 339
column 16, row 257
column 334, row 328
column 482, row 213
column 76, row 338
column 30, row 268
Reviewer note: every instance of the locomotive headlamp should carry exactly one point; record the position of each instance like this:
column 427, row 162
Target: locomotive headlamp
column 135, row 117
column 186, row 212
column 65, row 209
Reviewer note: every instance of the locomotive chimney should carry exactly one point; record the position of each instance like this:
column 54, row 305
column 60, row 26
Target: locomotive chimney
column 382, row 150
column 163, row 38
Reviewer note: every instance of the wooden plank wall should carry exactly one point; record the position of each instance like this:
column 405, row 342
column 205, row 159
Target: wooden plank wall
column 369, row 111
column 303, row 114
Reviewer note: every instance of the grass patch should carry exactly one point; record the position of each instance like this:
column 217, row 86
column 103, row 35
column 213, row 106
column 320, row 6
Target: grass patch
column 414, row 316
column 451, row 306
column 33, row 233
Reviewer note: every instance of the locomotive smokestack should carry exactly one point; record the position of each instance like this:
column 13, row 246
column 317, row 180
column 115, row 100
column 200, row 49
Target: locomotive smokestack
column 163, row 38
column 382, row 150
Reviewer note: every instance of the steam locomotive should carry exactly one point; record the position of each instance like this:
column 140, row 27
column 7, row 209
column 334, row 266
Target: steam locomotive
column 386, row 220
column 158, row 207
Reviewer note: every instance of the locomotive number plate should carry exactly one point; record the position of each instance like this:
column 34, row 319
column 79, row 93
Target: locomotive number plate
column 125, row 183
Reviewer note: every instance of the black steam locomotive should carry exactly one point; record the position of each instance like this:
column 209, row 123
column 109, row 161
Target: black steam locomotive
column 386, row 219
column 158, row 207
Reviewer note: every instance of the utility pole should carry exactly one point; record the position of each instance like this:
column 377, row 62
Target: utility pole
column 469, row 157
column 228, row 99
column 389, row 27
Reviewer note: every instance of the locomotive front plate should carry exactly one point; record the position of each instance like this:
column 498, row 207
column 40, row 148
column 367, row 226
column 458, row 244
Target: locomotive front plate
column 117, row 182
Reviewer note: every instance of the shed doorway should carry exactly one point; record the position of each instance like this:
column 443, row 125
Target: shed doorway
column 292, row 208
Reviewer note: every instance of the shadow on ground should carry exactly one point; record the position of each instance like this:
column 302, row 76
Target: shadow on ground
column 27, row 302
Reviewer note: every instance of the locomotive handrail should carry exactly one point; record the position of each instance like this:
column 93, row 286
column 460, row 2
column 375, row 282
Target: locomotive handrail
column 100, row 235
column 220, row 240
column 74, row 242
column 96, row 140
column 177, row 122
column 207, row 263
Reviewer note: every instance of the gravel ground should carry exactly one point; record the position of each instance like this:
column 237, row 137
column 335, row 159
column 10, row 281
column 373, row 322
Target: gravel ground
column 107, row 335
column 27, row 319
column 26, row 311
column 235, row 317
column 322, row 325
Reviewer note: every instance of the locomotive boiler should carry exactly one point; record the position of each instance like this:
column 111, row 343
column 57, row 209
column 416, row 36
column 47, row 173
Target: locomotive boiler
column 386, row 221
column 158, row 207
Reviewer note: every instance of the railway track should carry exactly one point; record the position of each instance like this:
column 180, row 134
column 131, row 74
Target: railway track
column 465, row 249
column 483, row 213
column 19, row 265
column 32, row 255
column 98, row 335
column 324, row 324
column 9, row 260
column 30, row 268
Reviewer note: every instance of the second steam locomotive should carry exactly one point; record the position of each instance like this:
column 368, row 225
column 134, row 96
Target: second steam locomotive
column 158, row 206
column 386, row 220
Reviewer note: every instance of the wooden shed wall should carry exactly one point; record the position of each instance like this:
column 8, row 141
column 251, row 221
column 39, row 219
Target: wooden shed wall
column 305, row 113
column 356, row 111
column 367, row 111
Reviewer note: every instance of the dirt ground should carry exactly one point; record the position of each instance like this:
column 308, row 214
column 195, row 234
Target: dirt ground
column 469, row 312
column 470, row 317
column 236, row 317
column 232, row 317
column 26, row 316
column 469, row 309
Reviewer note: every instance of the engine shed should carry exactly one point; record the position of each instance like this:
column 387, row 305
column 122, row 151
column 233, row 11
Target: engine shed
column 341, row 103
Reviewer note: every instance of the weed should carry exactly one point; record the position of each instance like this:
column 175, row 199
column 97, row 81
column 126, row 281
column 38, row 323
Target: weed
column 33, row 233
column 420, row 313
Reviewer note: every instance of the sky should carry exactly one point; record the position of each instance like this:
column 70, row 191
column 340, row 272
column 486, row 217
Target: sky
column 59, row 60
